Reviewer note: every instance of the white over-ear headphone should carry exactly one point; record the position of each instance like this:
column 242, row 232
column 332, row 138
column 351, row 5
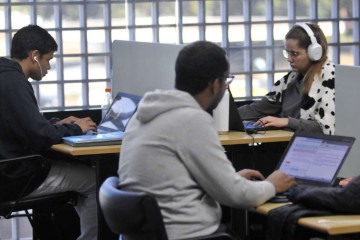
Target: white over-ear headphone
column 314, row 50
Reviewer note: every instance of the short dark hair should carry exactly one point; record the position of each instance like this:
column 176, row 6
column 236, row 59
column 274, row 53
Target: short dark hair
column 29, row 38
column 198, row 64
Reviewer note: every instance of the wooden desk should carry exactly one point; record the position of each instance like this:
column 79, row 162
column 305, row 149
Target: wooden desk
column 235, row 138
column 230, row 138
column 83, row 151
column 331, row 225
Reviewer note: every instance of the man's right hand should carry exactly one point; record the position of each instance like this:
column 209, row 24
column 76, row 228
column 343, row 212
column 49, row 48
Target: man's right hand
column 281, row 181
column 86, row 124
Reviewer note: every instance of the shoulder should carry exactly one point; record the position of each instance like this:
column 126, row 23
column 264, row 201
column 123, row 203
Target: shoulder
column 328, row 71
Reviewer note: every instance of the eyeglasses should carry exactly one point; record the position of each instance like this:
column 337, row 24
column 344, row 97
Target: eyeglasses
column 229, row 79
column 288, row 54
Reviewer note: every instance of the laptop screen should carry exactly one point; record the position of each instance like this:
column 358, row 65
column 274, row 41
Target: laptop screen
column 121, row 110
column 315, row 159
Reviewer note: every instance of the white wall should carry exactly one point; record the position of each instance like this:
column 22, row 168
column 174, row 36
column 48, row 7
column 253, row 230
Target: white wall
column 139, row 67
column 347, row 110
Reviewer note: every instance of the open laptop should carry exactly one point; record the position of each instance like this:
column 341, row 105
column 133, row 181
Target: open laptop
column 111, row 128
column 314, row 159
column 238, row 124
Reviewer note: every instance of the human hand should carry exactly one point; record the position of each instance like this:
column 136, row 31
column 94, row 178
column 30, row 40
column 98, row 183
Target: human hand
column 68, row 120
column 86, row 124
column 281, row 181
column 270, row 121
column 251, row 174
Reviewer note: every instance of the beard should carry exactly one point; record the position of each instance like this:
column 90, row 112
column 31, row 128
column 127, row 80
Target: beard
column 215, row 102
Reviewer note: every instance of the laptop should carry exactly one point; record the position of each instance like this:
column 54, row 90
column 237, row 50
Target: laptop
column 314, row 159
column 238, row 124
column 111, row 129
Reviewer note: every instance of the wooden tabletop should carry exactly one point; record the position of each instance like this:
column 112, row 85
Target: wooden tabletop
column 80, row 151
column 229, row 138
column 331, row 225
column 266, row 207
column 234, row 138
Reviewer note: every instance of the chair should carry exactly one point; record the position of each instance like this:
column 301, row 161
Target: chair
column 136, row 215
column 42, row 206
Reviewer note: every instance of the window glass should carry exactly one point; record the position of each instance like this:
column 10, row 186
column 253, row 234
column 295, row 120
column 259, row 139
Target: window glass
column 214, row 33
column 96, row 41
column 167, row 13
column 190, row 34
column 237, row 87
column 213, row 9
column 2, row 39
column 236, row 34
column 71, row 42
column 253, row 38
column 302, row 9
column 70, row 15
column 119, row 34
column 144, row 34
column 20, row 12
column 143, row 14
column 97, row 68
column 48, row 96
column 73, row 94
column 95, row 15
column 259, row 84
column 118, row 14
column 72, row 68
column 190, row 12
column 96, row 92
column 281, row 10
column 347, row 54
column 325, row 10
column 258, row 10
column 168, row 35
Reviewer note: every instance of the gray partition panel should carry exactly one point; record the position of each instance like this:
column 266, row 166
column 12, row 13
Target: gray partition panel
column 347, row 107
column 139, row 67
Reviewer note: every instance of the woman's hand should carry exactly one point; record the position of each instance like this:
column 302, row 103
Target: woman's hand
column 270, row 121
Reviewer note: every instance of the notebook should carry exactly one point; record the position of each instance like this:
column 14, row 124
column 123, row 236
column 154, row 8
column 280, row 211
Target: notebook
column 315, row 159
column 238, row 124
column 111, row 128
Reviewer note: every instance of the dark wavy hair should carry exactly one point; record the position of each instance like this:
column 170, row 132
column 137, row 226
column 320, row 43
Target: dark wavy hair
column 199, row 64
column 29, row 38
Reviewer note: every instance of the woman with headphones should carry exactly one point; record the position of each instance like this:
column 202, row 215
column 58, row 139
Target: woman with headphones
column 304, row 99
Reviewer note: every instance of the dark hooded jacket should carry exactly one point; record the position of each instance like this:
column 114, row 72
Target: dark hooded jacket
column 341, row 200
column 23, row 131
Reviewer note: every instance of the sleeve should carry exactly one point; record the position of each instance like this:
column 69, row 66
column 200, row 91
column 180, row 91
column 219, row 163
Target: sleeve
column 271, row 104
column 259, row 109
column 322, row 94
column 339, row 199
column 26, row 123
column 304, row 125
column 212, row 170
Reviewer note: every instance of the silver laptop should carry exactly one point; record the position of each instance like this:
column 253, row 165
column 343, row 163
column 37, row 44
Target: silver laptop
column 111, row 128
column 315, row 159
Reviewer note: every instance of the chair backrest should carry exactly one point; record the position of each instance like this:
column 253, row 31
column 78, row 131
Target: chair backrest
column 134, row 215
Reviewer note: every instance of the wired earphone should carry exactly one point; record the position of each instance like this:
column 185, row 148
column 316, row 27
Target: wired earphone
column 36, row 60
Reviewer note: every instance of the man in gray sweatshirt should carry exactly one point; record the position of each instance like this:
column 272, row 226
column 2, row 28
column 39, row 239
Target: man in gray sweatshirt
column 171, row 149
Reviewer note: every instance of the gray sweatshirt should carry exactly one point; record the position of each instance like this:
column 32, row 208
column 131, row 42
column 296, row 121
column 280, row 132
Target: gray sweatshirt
column 171, row 150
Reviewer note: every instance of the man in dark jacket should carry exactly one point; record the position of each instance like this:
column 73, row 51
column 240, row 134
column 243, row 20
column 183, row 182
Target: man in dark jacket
column 24, row 131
